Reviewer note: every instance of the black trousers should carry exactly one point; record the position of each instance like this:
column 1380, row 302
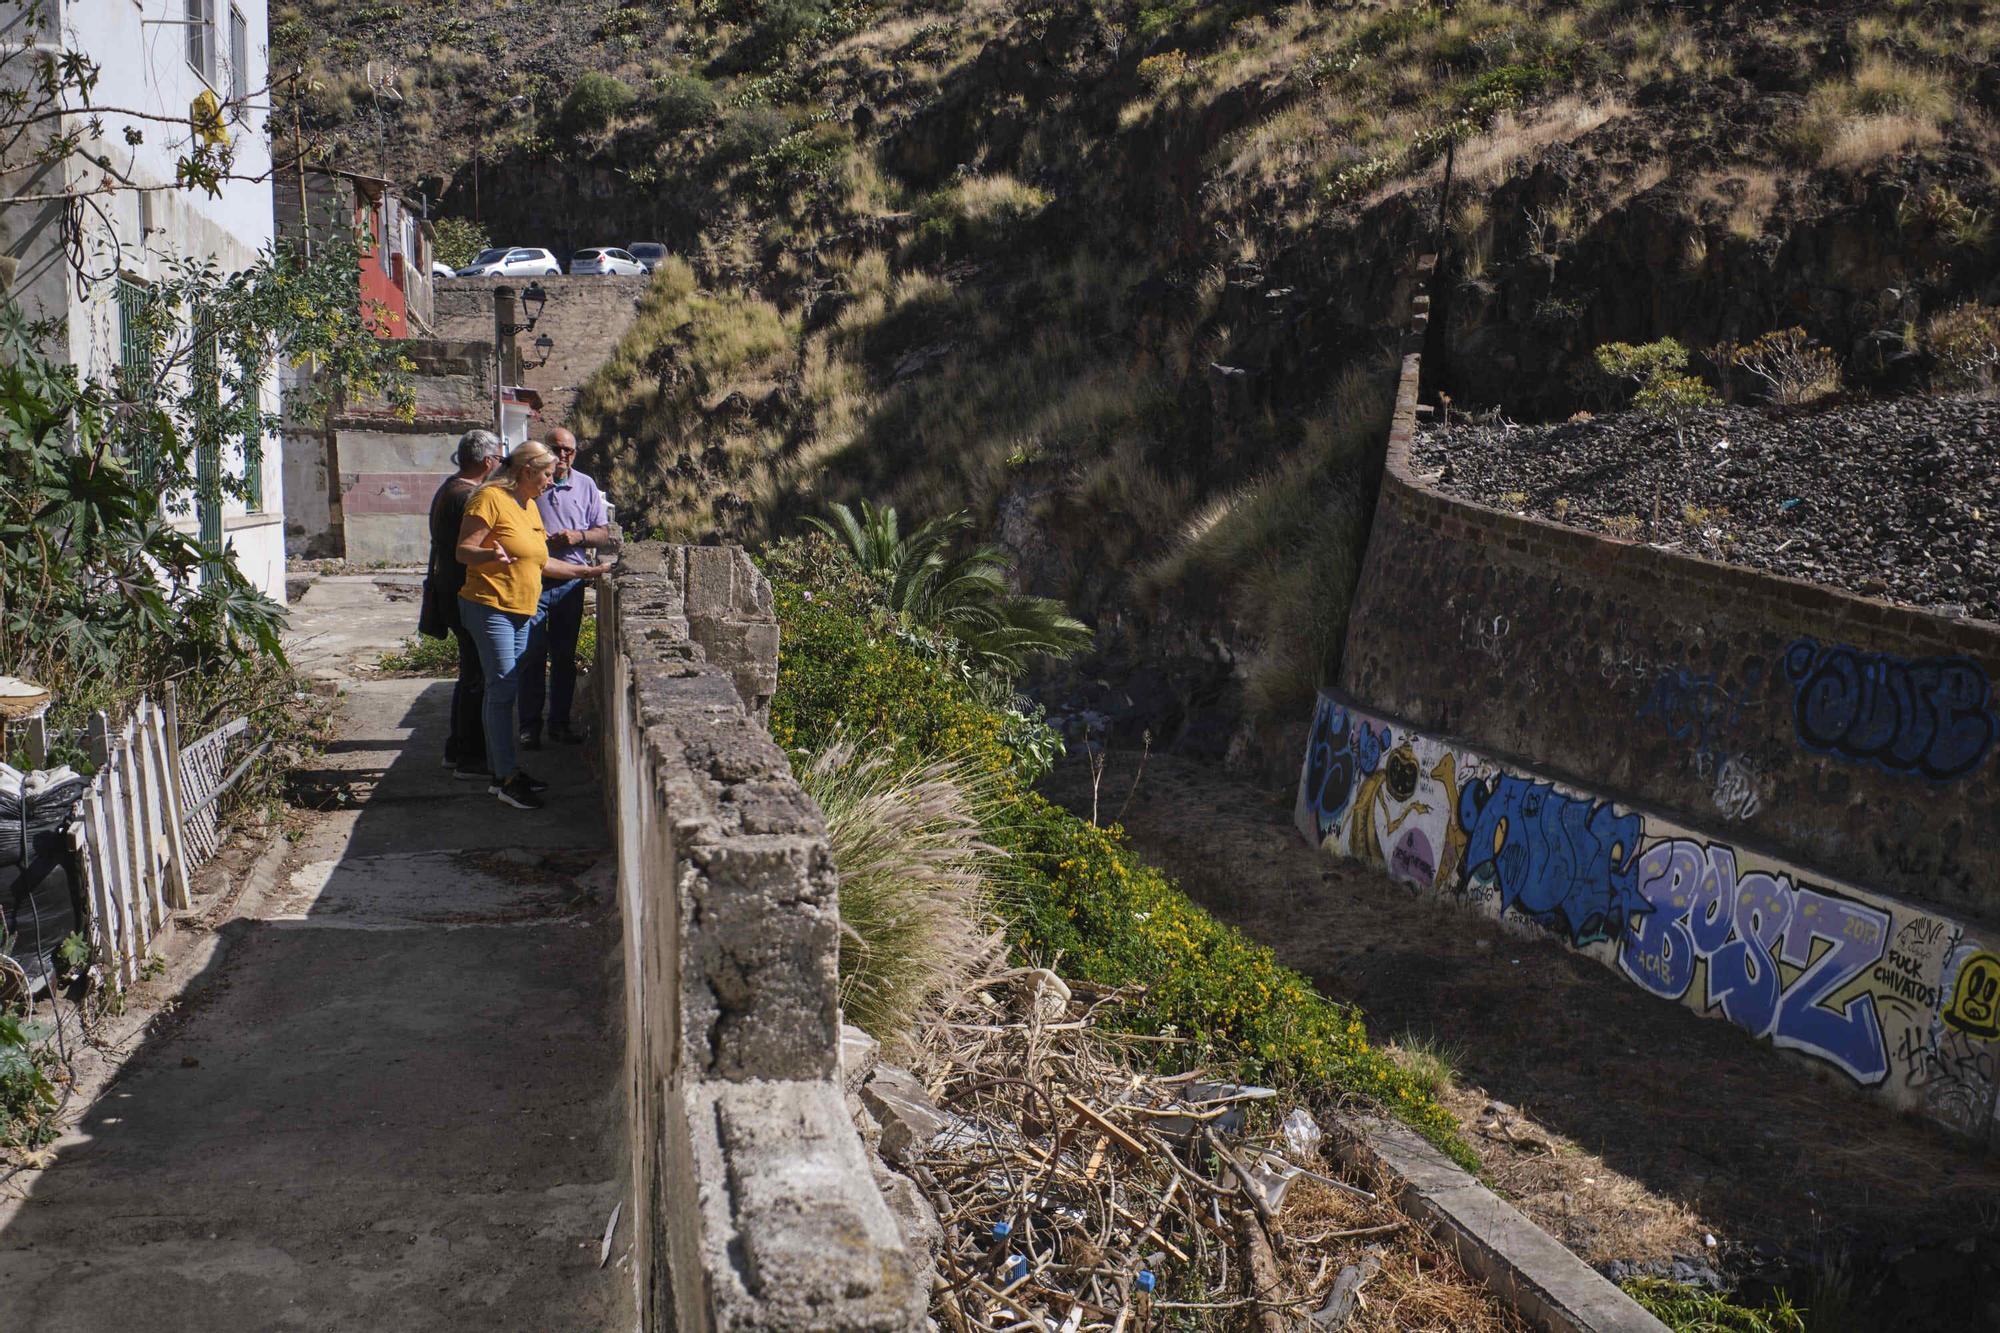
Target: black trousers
column 548, row 669
column 466, row 744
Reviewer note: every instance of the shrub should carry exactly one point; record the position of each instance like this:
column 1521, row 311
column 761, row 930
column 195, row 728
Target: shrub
column 748, row 131
column 456, row 241
column 27, row 1097
column 914, row 868
column 594, row 100
column 683, row 101
column 1794, row 368
column 1965, row 342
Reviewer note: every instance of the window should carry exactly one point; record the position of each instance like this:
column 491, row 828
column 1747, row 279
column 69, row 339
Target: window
column 135, row 358
column 200, row 15
column 239, row 58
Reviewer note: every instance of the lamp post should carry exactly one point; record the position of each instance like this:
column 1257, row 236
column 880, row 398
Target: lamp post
column 504, row 329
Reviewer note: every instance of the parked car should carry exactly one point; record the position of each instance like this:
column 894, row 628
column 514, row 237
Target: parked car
column 605, row 259
column 442, row 270
column 518, row 262
column 650, row 253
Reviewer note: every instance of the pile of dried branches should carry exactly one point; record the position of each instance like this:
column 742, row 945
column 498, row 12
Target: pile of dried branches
column 1079, row 1193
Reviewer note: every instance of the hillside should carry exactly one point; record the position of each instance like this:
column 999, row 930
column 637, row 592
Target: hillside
column 1122, row 278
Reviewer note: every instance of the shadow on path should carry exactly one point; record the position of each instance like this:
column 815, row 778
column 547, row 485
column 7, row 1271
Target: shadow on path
column 390, row 1104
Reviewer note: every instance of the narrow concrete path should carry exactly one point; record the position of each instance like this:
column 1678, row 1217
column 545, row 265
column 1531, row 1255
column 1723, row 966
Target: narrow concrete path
column 391, row 1103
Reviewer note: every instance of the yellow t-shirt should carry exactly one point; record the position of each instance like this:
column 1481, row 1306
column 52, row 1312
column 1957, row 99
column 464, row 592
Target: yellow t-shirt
column 516, row 587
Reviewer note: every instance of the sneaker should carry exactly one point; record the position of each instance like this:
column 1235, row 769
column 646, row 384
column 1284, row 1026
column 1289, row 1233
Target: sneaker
column 534, row 783
column 531, row 738
column 516, row 792
column 450, row 760
column 565, row 734
column 474, row 770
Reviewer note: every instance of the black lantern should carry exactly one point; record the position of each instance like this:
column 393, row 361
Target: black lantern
column 532, row 301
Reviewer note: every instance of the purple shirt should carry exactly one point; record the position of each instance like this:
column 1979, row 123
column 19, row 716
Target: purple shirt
column 574, row 502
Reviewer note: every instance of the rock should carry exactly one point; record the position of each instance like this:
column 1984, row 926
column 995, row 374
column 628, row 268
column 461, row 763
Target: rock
column 859, row 1054
column 923, row 1235
column 908, row 1117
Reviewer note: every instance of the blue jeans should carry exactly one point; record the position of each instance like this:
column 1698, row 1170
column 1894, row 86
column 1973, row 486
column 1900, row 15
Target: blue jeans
column 502, row 637
column 549, row 669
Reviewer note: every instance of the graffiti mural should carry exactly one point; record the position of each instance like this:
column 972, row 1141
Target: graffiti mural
column 1565, row 862
column 1779, row 955
column 1928, row 717
column 1898, row 1000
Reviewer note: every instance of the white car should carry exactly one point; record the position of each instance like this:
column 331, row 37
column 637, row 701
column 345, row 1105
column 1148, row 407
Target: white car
column 605, row 259
column 439, row 270
column 519, row 262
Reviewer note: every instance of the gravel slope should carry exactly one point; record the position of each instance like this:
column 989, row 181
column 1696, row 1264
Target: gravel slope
column 1897, row 498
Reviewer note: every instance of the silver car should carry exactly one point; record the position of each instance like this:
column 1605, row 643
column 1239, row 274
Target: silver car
column 518, row 262
column 607, row 260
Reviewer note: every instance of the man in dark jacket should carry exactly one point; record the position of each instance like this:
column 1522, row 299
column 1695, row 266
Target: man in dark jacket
column 477, row 455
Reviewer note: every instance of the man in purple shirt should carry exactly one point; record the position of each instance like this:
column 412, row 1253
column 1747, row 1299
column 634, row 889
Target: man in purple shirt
column 573, row 512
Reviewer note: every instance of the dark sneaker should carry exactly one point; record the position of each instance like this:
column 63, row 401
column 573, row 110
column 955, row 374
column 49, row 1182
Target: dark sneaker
column 566, row 735
column 534, row 783
column 450, row 760
column 473, row 770
column 516, row 792
column 531, row 738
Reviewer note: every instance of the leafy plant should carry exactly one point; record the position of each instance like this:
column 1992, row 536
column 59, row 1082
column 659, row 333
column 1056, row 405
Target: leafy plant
column 965, row 595
column 1665, row 390
column 457, row 241
column 27, row 1097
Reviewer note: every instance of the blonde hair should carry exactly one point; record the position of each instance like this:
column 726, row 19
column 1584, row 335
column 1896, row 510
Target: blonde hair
column 528, row 456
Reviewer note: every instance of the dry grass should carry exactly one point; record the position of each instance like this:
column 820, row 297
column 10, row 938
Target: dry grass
column 1745, row 197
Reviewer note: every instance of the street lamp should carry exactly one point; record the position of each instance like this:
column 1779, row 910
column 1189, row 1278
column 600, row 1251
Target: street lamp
column 504, row 329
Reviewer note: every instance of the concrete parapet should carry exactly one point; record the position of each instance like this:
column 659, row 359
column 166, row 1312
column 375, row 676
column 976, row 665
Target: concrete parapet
column 755, row 1207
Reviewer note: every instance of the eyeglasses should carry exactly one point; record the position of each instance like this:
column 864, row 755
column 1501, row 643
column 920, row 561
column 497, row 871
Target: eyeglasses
column 566, row 453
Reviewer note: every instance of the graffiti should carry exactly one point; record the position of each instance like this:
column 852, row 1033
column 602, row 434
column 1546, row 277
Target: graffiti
column 1703, row 712
column 1743, row 926
column 1736, row 793
column 1928, row 717
column 1897, row 999
column 1341, row 749
column 1563, row 861
column 1974, row 1008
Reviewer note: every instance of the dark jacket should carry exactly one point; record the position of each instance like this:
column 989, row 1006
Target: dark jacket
column 447, row 517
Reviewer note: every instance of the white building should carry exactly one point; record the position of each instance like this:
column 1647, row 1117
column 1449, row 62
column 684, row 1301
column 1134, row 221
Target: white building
column 155, row 58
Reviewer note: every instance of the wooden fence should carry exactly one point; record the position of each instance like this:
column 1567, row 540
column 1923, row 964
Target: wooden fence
column 148, row 818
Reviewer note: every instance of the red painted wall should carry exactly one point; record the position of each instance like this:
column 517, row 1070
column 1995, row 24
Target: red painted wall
column 381, row 293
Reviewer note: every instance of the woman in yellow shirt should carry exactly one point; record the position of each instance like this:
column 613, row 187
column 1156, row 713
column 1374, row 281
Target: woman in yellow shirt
column 505, row 552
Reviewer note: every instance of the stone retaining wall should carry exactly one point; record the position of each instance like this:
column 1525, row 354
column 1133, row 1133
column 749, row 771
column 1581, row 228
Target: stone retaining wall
column 1838, row 730
column 754, row 1202
column 1771, row 801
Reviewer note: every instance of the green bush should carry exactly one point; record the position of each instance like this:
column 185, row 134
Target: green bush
column 594, row 100
column 1077, row 898
column 437, row 659
column 683, row 101
column 457, row 241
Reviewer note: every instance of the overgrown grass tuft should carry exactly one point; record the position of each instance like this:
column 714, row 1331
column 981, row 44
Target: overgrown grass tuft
column 1686, row 1309
column 915, row 877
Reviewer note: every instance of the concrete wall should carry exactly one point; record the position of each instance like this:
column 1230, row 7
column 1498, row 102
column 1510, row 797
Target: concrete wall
column 1657, row 758
column 1881, row 994
column 1836, row 729
column 754, row 1204
column 584, row 317
column 364, row 481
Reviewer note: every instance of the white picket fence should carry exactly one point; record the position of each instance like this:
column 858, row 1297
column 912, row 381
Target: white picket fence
column 148, row 818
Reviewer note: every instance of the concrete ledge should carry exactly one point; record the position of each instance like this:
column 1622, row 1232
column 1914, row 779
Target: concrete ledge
column 1552, row 1288
column 754, row 1206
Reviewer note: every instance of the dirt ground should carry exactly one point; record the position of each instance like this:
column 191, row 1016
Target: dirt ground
column 1629, row 1129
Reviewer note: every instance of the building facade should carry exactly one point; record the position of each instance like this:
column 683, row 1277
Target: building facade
column 85, row 267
